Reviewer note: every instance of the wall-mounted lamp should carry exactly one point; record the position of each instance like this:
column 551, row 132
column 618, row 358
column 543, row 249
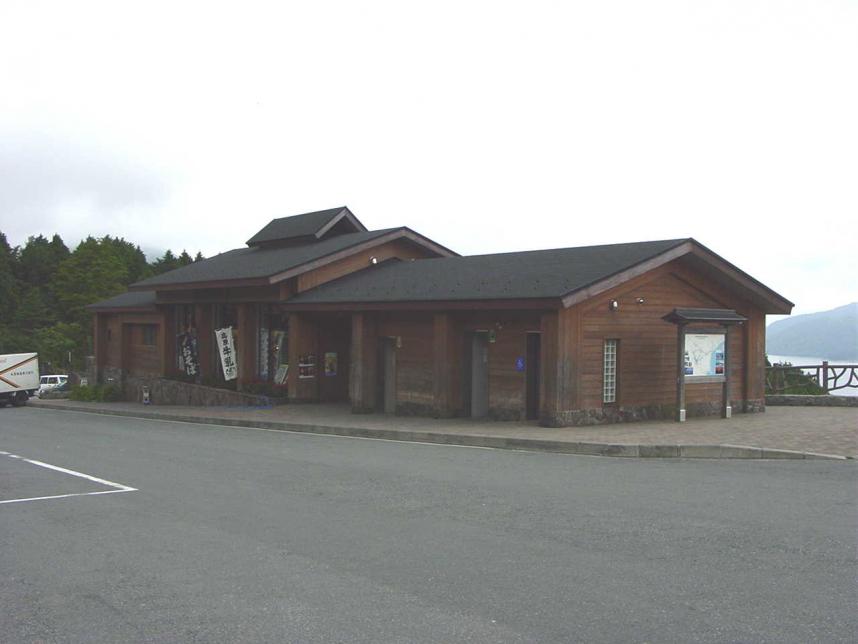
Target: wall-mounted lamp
column 613, row 305
column 640, row 300
column 373, row 260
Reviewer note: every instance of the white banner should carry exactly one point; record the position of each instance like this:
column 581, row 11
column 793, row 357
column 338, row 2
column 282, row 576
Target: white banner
column 228, row 357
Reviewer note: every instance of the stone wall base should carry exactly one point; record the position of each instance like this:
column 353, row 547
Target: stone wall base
column 173, row 392
column 633, row 414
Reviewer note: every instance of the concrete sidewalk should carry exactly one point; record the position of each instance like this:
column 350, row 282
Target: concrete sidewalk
column 780, row 432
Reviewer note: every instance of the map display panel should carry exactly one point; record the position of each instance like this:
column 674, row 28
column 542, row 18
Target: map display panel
column 704, row 354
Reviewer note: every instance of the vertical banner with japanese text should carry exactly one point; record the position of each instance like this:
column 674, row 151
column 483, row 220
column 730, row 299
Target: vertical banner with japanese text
column 227, row 353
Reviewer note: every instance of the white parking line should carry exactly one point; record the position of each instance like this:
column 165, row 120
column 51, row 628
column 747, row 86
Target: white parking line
column 119, row 487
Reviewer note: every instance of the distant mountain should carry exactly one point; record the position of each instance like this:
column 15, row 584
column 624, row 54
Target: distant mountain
column 831, row 335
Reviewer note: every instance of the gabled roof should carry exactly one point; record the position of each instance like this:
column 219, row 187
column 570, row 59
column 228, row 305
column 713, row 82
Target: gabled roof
column 306, row 227
column 537, row 274
column 556, row 277
column 132, row 300
column 261, row 265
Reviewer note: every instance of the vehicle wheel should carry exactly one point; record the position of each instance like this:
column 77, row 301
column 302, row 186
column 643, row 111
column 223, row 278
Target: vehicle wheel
column 20, row 399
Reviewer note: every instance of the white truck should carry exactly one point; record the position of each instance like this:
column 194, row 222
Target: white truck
column 19, row 377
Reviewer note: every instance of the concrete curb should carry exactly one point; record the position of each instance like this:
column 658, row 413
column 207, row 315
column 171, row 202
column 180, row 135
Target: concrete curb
column 472, row 440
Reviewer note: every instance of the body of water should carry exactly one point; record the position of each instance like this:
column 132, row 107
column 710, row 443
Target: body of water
column 805, row 360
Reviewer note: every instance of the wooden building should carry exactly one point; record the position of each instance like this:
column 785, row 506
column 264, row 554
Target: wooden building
column 324, row 310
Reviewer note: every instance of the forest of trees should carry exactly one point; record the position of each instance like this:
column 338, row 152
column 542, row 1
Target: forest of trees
column 45, row 287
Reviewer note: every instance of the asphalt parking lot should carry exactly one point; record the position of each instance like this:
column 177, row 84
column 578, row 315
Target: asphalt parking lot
column 117, row 529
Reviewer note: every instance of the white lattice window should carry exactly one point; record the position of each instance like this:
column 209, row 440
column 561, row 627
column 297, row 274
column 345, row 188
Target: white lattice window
column 609, row 372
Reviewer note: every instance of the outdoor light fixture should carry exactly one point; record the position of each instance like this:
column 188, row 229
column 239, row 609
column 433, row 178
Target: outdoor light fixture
column 640, row 300
column 614, row 305
column 373, row 260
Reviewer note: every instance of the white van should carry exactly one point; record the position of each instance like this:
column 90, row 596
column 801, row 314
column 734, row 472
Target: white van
column 46, row 383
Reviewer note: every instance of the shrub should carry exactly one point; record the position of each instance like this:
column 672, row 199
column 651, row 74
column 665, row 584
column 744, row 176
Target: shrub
column 111, row 393
column 96, row 393
column 83, row 393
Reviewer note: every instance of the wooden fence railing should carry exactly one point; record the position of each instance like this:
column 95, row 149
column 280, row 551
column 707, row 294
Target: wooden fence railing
column 782, row 378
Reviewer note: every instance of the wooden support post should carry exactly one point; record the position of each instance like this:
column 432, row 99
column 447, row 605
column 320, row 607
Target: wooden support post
column 205, row 341
column 246, row 348
column 99, row 335
column 362, row 365
column 442, row 366
column 825, row 375
column 167, row 341
column 680, row 373
column 754, row 332
column 549, row 385
column 726, row 409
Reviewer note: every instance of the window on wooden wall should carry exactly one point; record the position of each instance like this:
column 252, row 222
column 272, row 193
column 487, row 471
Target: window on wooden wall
column 150, row 334
column 609, row 371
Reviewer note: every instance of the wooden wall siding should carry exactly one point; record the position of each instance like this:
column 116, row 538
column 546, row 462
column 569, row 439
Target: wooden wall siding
column 142, row 359
column 334, row 337
column 414, row 361
column 221, row 295
column 647, row 352
column 396, row 249
column 431, row 361
column 113, row 345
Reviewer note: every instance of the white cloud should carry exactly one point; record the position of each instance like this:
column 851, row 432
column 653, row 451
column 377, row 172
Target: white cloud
column 488, row 126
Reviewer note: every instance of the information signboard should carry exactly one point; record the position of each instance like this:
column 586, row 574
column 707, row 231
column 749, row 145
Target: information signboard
column 704, row 355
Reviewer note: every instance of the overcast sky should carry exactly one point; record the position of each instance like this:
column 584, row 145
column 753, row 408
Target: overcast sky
column 488, row 126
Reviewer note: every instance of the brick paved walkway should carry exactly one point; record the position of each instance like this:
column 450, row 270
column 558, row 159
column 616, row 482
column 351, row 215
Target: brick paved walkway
column 827, row 430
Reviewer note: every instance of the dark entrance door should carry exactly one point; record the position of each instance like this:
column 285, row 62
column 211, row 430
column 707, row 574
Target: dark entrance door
column 387, row 375
column 480, row 374
column 532, row 372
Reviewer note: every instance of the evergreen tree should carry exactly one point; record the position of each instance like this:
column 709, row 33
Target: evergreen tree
column 39, row 260
column 9, row 287
column 131, row 256
column 94, row 271
column 167, row 262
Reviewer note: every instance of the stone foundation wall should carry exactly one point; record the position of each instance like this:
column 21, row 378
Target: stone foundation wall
column 173, row 392
column 813, row 401
column 633, row 414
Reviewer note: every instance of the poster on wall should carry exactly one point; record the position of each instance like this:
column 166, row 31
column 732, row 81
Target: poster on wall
column 307, row 366
column 228, row 357
column 331, row 364
column 704, row 354
column 281, row 374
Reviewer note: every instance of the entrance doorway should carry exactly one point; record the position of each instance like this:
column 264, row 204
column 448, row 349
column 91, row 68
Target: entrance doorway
column 532, row 373
column 387, row 374
column 479, row 374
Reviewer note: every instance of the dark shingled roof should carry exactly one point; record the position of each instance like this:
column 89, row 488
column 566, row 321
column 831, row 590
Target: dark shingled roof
column 258, row 262
column 299, row 226
column 530, row 274
column 129, row 300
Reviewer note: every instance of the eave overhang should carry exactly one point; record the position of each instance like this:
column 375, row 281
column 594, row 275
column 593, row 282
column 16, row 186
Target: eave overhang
column 542, row 304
